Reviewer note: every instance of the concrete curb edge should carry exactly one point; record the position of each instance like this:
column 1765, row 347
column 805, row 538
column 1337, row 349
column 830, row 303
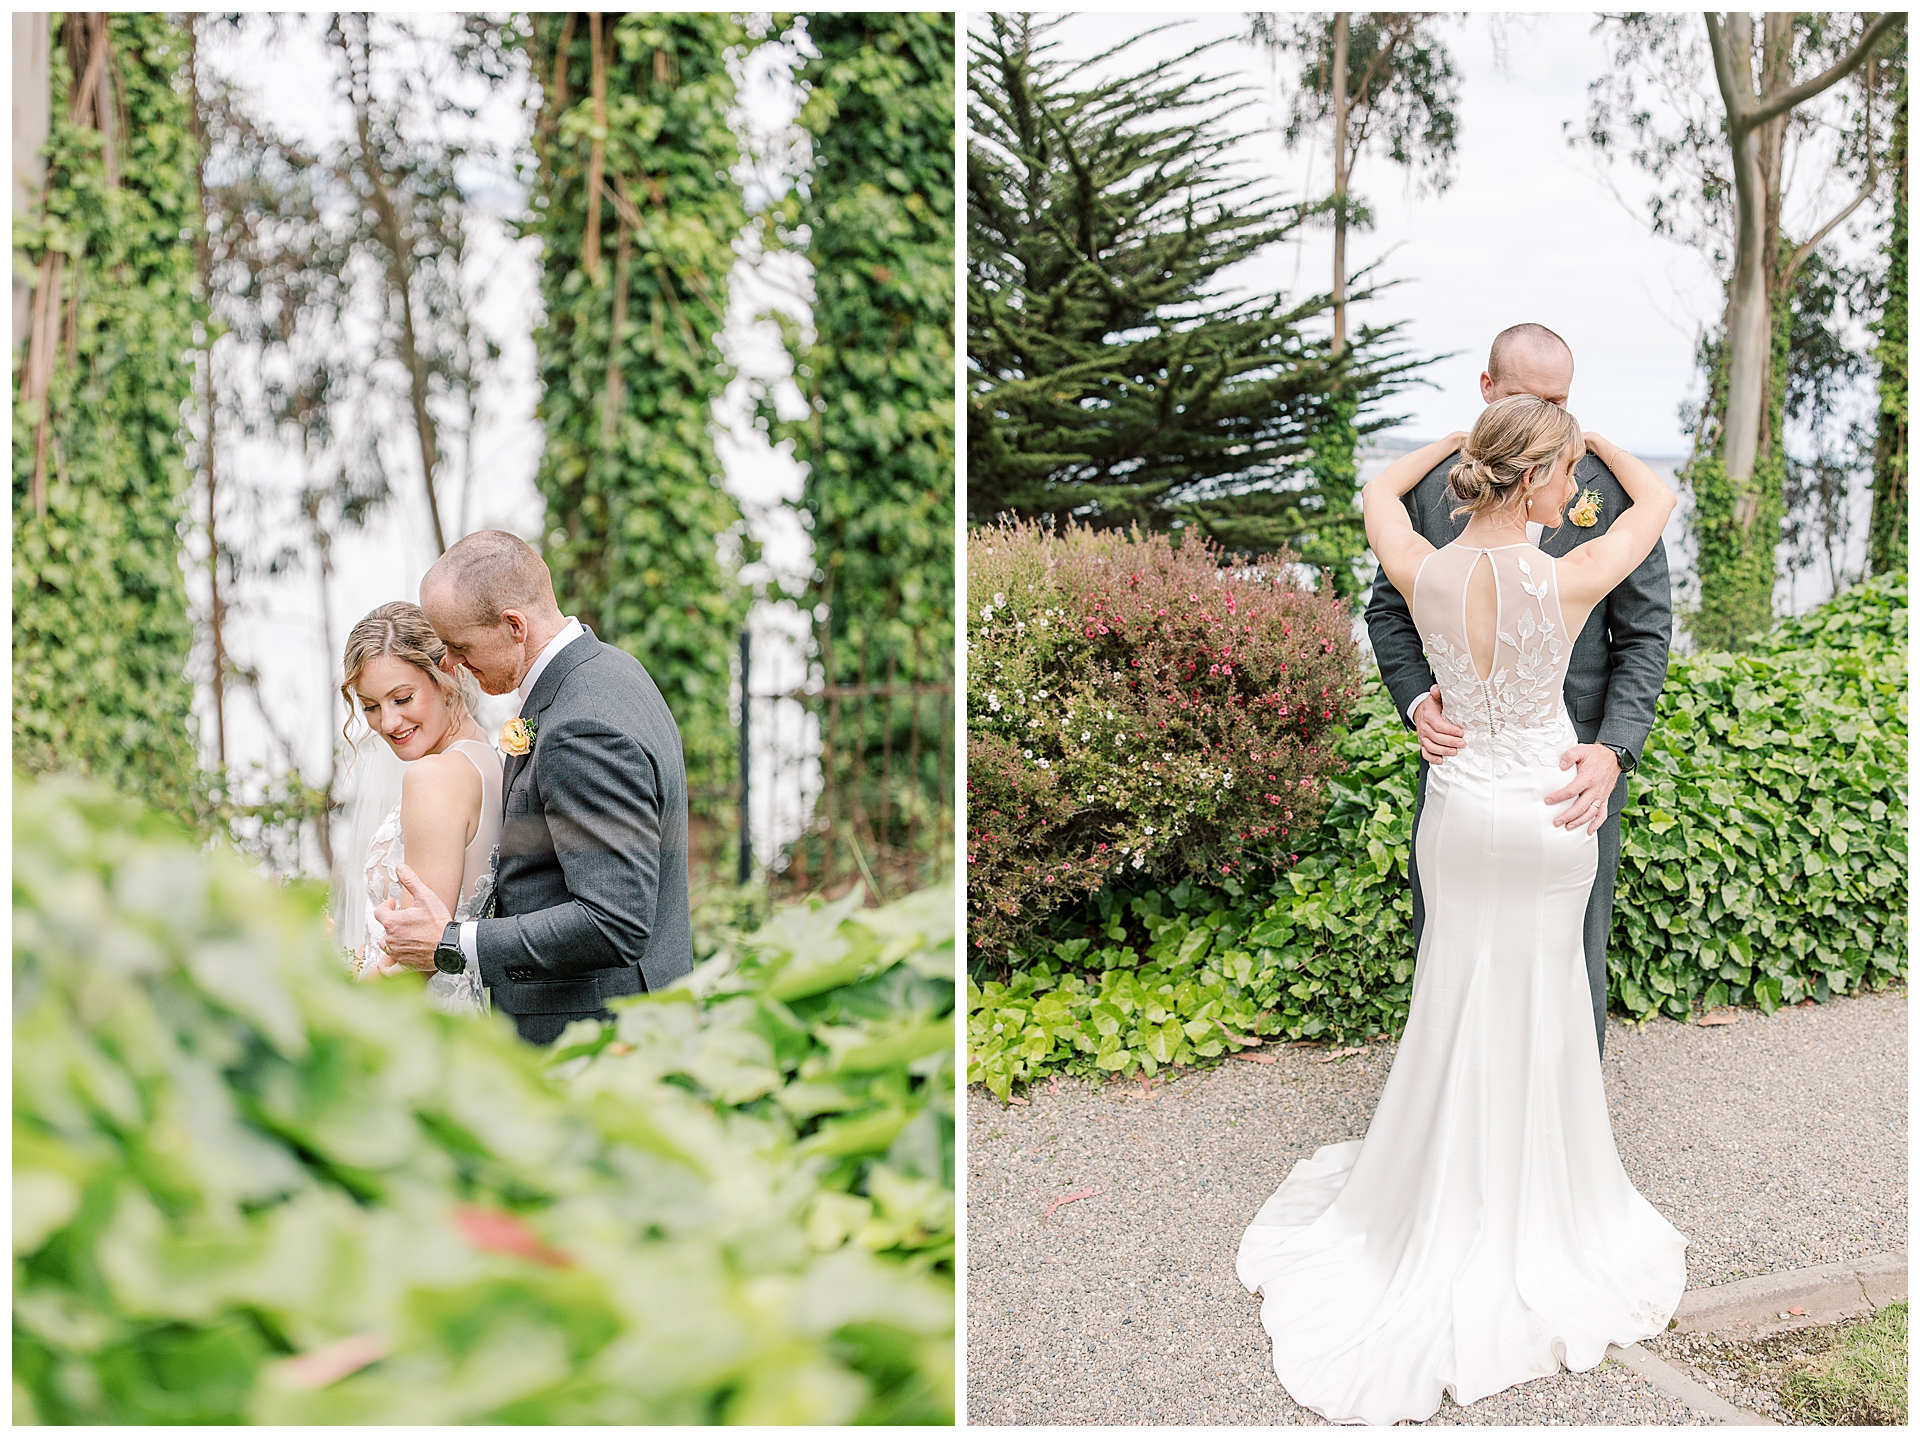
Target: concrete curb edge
column 1672, row 1381
column 1827, row 1293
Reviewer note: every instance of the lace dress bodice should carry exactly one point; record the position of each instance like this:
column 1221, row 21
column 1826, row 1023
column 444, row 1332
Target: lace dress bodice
column 451, row 993
column 1515, row 715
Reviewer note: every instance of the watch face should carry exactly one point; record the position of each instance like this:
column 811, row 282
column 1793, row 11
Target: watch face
column 449, row 960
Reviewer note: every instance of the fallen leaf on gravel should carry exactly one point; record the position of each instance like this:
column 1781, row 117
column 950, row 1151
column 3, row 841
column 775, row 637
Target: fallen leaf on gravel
column 1248, row 1039
column 1074, row 1197
column 1336, row 1054
column 1146, row 1087
column 1708, row 1019
column 1798, row 1312
column 1258, row 1058
column 1015, row 1098
column 1053, row 1084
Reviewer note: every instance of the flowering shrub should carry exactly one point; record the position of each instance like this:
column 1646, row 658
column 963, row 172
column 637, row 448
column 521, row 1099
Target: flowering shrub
column 1133, row 706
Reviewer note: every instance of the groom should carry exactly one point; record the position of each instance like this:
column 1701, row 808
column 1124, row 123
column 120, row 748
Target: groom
column 591, row 888
column 1619, row 662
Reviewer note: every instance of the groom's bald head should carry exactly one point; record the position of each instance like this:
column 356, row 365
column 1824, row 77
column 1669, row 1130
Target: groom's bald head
column 1528, row 359
column 484, row 575
column 490, row 599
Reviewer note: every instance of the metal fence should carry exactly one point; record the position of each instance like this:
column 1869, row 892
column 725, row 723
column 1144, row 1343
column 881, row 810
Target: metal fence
column 847, row 782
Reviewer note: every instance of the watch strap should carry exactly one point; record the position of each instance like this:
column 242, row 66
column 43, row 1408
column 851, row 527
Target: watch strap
column 447, row 955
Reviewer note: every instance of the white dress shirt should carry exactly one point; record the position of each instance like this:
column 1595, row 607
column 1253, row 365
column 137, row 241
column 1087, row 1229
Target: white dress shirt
column 569, row 632
column 1534, row 531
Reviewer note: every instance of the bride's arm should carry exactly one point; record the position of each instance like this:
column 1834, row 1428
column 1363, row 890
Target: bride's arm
column 1396, row 544
column 1592, row 571
column 439, row 800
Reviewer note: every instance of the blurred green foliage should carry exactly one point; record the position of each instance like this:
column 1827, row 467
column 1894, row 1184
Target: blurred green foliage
column 247, row 1189
column 1763, row 861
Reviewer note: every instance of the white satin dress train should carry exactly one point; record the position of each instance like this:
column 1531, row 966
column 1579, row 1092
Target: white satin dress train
column 1483, row 1232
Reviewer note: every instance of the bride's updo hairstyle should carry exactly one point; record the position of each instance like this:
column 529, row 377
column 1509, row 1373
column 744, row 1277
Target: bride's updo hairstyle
column 1512, row 435
column 400, row 631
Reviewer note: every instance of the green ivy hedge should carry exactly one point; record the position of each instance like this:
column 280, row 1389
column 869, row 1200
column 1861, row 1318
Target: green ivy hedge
column 247, row 1189
column 1763, row 860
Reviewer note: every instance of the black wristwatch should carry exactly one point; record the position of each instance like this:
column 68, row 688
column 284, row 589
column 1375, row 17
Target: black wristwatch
column 1625, row 756
column 446, row 954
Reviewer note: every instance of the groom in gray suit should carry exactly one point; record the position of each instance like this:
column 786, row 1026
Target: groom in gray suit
column 591, row 886
column 1619, row 662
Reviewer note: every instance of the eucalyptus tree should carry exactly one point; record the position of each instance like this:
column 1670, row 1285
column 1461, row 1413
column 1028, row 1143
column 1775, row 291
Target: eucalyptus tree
column 1111, row 379
column 343, row 289
column 1721, row 148
column 1384, row 79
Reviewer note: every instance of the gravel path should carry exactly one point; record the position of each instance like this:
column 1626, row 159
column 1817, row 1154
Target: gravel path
column 1772, row 1143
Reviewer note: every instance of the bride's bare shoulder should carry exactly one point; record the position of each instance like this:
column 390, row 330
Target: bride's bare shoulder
column 443, row 779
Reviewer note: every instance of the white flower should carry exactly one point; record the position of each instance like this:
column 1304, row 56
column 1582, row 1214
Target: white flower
column 1041, row 622
column 1147, row 830
column 999, row 598
column 1085, row 734
column 1138, row 857
column 1045, row 765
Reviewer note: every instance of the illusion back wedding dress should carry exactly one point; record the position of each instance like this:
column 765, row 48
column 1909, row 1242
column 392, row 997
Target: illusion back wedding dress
column 1483, row 1232
column 450, row 993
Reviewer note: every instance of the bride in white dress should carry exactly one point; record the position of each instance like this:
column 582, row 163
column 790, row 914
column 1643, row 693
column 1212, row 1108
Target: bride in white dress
column 1483, row 1232
column 447, row 824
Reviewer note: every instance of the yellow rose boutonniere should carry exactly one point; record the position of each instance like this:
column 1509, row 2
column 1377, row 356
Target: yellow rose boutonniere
column 516, row 737
column 1586, row 510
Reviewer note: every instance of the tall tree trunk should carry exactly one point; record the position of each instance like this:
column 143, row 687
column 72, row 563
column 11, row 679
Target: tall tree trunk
column 203, row 262
column 1738, row 474
column 32, row 123
column 394, row 239
column 1887, row 531
column 1341, row 24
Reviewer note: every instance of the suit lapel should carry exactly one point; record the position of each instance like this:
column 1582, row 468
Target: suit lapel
column 562, row 664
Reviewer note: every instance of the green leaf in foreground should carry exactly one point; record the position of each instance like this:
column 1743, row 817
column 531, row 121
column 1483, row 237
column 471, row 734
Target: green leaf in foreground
column 250, row 1190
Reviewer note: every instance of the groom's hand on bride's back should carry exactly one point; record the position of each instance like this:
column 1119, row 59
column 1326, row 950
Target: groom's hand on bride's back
column 412, row 933
column 1440, row 737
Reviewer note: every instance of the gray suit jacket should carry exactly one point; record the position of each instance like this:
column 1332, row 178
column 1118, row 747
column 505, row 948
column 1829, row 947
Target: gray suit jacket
column 1619, row 662
column 591, row 894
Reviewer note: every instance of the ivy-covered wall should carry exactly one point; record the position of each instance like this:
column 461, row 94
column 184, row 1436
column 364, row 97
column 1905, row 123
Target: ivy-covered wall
column 634, row 279
column 879, row 443
column 101, row 632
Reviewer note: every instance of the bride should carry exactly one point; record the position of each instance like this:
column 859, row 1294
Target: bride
column 447, row 823
column 1483, row 1232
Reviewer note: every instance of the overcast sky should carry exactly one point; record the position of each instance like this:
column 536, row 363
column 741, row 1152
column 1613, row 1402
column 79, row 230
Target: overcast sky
column 275, row 625
column 1528, row 230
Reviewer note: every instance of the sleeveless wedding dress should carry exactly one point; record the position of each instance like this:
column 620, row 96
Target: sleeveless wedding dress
column 450, row 993
column 1483, row 1232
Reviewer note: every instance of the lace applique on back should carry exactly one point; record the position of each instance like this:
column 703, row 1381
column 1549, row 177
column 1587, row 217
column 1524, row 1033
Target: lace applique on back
column 1515, row 714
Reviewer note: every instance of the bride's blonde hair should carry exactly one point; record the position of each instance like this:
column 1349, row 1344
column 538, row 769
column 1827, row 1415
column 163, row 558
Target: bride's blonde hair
column 400, row 631
column 1512, row 436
